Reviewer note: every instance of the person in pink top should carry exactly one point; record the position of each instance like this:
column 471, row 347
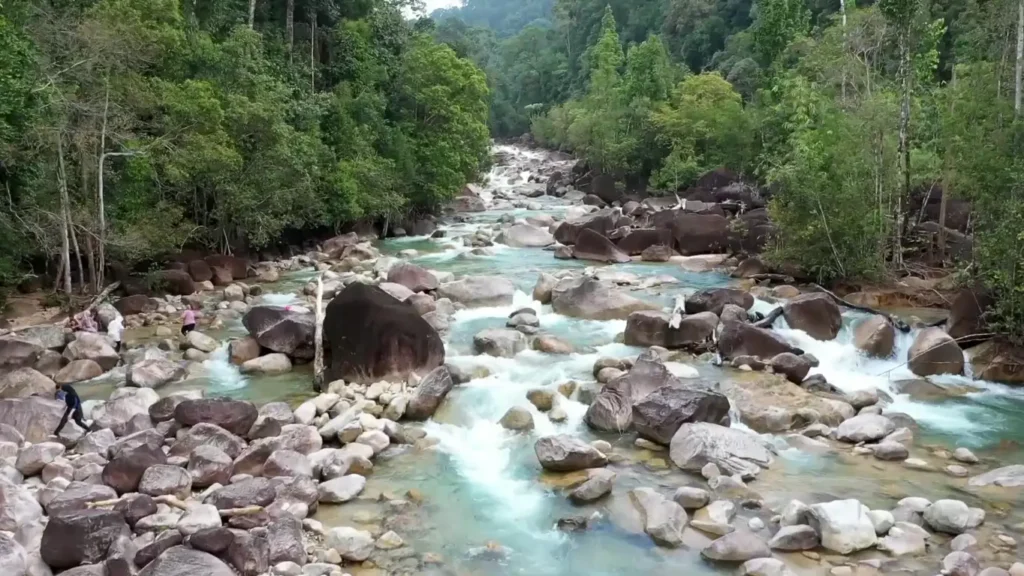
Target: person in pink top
column 188, row 321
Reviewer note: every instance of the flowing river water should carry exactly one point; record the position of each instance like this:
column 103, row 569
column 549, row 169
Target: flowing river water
column 487, row 507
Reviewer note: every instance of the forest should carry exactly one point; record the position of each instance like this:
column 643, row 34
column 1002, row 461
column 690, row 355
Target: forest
column 854, row 117
column 131, row 129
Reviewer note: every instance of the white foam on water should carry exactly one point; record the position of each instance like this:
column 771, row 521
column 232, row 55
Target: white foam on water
column 222, row 373
column 278, row 299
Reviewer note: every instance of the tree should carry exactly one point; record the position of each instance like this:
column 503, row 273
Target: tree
column 777, row 24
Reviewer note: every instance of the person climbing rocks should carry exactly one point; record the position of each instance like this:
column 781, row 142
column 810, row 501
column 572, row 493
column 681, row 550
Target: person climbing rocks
column 188, row 320
column 116, row 330
column 67, row 393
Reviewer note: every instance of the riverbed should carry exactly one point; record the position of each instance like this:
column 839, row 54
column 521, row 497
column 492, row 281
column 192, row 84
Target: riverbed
column 488, row 508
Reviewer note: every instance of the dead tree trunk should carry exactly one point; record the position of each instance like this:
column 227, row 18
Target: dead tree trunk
column 252, row 14
column 289, row 25
column 904, row 147
column 1020, row 57
column 65, row 244
column 947, row 179
column 318, row 337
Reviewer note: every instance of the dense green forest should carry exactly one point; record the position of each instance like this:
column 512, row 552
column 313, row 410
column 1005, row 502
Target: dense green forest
column 857, row 117
column 130, row 129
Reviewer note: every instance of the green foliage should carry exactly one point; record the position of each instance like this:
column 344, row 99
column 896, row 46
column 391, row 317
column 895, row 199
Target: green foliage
column 778, row 23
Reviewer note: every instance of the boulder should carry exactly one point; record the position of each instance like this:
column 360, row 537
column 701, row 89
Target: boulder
column 651, row 328
column 737, row 339
column 542, row 290
column 77, row 496
column 998, row 361
column 733, row 451
column 413, row 277
column 737, row 546
column 17, row 352
column 244, row 349
column 284, row 535
column 714, row 300
column 77, row 371
column 163, row 480
column 35, row 418
column 593, row 300
column 13, row 557
column 844, row 525
column 601, row 222
column 948, row 516
column 563, row 453
column 34, row 457
column 269, row 364
column 935, row 352
column 865, row 428
column 517, row 419
column 249, row 553
column 966, row 313
column 235, row 416
column 341, row 489
column 18, row 507
column 1005, row 477
column 209, row 465
column 699, row 233
column 478, row 291
column 659, row 415
column 198, row 517
column 124, row 405
column 352, row 544
column 25, row 382
column 287, row 463
column 135, row 304
column 334, row 247
column 500, row 342
column 82, row 537
column 251, row 492
column 154, row 373
column 371, row 337
column 612, row 409
column 135, row 507
column 174, row 282
column 237, row 268
column 643, row 239
column 181, row 561
column 816, row 314
column 794, row 368
column 95, row 347
column 593, row 246
column 795, row 538
column 125, row 469
column 280, row 329
column 526, row 236
column 431, row 391
column 200, row 271
column 201, row 342
column 206, row 434
column 875, row 337
column 552, row 345
column 657, row 253
column 598, row 484
column 663, row 519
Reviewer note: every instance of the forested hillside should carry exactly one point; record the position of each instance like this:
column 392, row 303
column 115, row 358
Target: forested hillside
column 132, row 128
column 861, row 120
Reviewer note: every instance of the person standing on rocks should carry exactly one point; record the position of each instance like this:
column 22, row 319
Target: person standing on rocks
column 188, row 320
column 67, row 393
column 116, row 330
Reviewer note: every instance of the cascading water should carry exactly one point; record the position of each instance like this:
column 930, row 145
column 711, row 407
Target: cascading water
column 223, row 375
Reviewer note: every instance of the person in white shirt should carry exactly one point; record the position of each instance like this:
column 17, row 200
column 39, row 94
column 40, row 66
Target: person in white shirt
column 116, row 330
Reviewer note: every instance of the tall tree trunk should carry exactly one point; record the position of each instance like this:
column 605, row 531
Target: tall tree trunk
column 78, row 252
column 1020, row 57
column 101, row 264
column 84, row 162
column 947, row 177
column 842, row 9
column 65, row 243
column 289, row 25
column 312, row 50
column 90, row 256
column 252, row 14
column 904, row 147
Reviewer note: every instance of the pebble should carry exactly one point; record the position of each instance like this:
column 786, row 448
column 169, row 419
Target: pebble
column 956, row 471
column 710, row 470
column 287, row 569
column 756, row 524
column 602, row 446
column 811, row 555
column 328, row 556
column 964, row 455
column 1006, row 540
column 963, row 542
column 841, row 571
column 389, row 541
column 1017, row 569
column 918, row 464
column 645, row 444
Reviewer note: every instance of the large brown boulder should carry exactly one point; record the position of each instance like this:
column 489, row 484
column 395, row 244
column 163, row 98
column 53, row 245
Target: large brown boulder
column 235, row 416
column 238, row 267
column 998, row 361
column 875, row 337
column 431, row 391
column 84, row 537
column 935, row 352
column 742, row 339
column 200, row 271
column 174, row 282
column 612, row 409
column 966, row 314
column 279, row 329
column 714, row 300
column 815, row 313
column 95, row 347
column 593, row 300
column 651, row 328
column 136, row 304
column 78, row 371
column 35, row 417
column 125, row 469
column 371, row 336
column 17, row 352
column 700, row 233
column 641, row 239
column 413, row 277
column 334, row 247
column 25, row 382
column 602, row 222
column 592, row 246
column 659, row 415
column 564, row 453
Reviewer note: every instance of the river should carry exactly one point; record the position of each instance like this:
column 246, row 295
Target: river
column 487, row 507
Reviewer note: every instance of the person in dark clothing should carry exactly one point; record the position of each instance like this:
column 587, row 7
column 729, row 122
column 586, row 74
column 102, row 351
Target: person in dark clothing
column 66, row 393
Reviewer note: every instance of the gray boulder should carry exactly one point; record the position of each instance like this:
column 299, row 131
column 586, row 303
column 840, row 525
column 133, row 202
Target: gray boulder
column 431, row 391
column 948, row 516
column 659, row 415
column 478, row 291
column 500, row 342
column 865, row 428
column 181, row 561
column 82, row 537
column 815, row 313
column 733, row 451
column 844, row 525
column 737, row 546
column 162, row 480
column 593, row 300
column 25, row 382
column 154, row 373
column 526, row 236
column 563, row 453
column 599, row 484
column 663, row 519
column 795, row 538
